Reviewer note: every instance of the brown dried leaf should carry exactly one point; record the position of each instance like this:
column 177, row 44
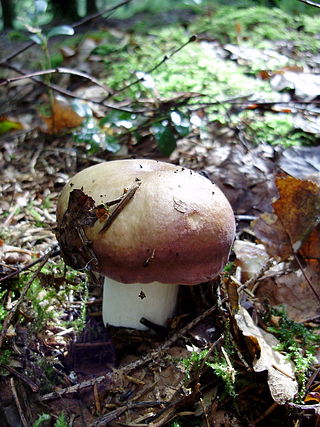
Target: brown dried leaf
column 296, row 213
column 281, row 379
column 297, row 208
column 290, row 290
column 63, row 117
column 75, row 247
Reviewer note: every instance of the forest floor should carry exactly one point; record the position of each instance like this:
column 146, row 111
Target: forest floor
column 242, row 350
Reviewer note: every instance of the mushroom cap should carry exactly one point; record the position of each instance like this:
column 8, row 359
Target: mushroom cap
column 177, row 228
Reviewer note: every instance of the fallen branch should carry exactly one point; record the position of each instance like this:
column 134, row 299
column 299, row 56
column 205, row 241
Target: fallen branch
column 60, row 70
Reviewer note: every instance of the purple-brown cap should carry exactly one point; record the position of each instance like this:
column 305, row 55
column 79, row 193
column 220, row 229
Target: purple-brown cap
column 177, row 227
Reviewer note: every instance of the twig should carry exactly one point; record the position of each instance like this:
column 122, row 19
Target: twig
column 97, row 399
column 283, row 372
column 34, row 387
column 98, row 14
column 310, row 3
column 7, row 320
column 125, row 199
column 204, row 412
column 17, row 402
column 107, row 418
column 60, row 70
column 134, row 365
column 69, row 94
column 164, row 59
column 265, row 414
column 307, row 278
column 53, row 252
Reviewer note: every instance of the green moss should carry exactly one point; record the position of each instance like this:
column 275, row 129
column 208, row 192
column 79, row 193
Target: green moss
column 195, row 68
column 255, row 25
column 274, row 129
column 298, row 341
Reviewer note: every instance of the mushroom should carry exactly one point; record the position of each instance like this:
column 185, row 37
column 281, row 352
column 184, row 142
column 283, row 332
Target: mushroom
column 147, row 227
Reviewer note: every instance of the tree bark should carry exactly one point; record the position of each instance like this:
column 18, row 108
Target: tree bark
column 7, row 13
column 91, row 7
column 65, row 10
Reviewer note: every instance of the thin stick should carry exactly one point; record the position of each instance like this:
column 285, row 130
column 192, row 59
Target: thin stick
column 307, row 278
column 17, row 402
column 98, row 14
column 69, row 94
column 34, row 387
column 60, row 70
column 123, row 202
column 53, row 252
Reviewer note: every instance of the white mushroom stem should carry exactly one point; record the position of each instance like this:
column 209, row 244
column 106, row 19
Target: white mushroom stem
column 125, row 304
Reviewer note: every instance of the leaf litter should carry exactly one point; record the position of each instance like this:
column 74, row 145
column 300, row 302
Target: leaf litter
column 276, row 259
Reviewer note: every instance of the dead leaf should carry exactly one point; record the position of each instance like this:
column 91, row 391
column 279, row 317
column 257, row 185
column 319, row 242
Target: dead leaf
column 300, row 162
column 62, row 117
column 305, row 85
column 14, row 255
column 81, row 212
column 296, row 213
column 297, row 208
column 313, row 396
column 269, row 230
column 281, row 379
column 251, row 257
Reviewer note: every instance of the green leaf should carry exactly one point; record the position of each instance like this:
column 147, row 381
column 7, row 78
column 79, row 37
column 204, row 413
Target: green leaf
column 37, row 39
column 40, row 6
column 41, row 419
column 115, row 117
column 96, row 140
column 181, row 123
column 6, row 125
column 81, row 108
column 111, row 144
column 61, row 30
column 103, row 50
column 165, row 137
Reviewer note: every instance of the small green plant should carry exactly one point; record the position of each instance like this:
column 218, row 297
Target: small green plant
column 223, row 369
column 5, row 357
column 194, row 361
column 41, row 419
column 218, row 361
column 251, row 26
column 61, row 421
column 300, row 342
column 48, row 296
column 35, row 17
